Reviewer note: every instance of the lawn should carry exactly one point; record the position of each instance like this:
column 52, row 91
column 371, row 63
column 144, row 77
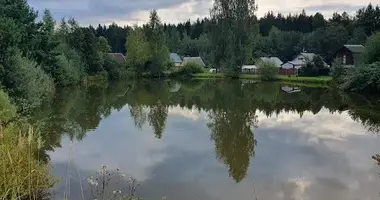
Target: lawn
column 319, row 79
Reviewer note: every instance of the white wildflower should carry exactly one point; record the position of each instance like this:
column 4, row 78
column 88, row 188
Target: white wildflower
column 91, row 181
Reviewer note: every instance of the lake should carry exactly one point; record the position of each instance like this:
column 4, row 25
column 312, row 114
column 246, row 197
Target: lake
column 213, row 139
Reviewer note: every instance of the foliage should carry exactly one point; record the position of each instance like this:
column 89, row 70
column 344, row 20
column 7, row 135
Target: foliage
column 373, row 48
column 7, row 110
column 138, row 50
column 188, row 69
column 156, row 38
column 27, row 81
column 23, row 175
column 316, row 67
column 267, row 71
column 363, row 78
column 232, row 34
column 337, row 71
column 72, row 64
column 115, row 70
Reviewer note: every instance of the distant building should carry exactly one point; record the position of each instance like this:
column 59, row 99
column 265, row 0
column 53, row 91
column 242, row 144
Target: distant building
column 175, row 59
column 119, row 57
column 249, row 69
column 292, row 67
column 197, row 60
column 349, row 55
column 273, row 60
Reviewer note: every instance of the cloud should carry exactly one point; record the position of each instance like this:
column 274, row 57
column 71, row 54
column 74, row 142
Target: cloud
column 127, row 12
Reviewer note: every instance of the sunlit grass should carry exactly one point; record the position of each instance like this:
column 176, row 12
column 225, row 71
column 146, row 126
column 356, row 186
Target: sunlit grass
column 22, row 174
column 299, row 79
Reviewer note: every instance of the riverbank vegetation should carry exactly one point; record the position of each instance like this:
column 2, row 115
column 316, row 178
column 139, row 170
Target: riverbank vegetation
column 364, row 77
column 23, row 173
column 325, row 80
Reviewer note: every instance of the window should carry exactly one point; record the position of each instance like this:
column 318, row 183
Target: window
column 344, row 59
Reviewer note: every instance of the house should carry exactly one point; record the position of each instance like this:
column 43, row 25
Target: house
column 273, row 60
column 249, row 69
column 292, row 67
column 197, row 60
column 175, row 59
column 119, row 57
column 349, row 55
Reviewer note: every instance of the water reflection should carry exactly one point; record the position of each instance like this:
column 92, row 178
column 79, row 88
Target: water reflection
column 159, row 131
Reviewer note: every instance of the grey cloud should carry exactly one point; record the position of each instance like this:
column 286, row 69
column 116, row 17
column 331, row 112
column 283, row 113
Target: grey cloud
column 100, row 10
column 339, row 7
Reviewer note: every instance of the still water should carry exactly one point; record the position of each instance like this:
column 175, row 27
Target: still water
column 215, row 139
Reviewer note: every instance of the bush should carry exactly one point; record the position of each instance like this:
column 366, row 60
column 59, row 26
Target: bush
column 338, row 71
column 316, row 67
column 373, row 48
column 363, row 78
column 67, row 72
column 116, row 71
column 70, row 66
column 7, row 110
column 267, row 71
column 189, row 69
column 26, row 82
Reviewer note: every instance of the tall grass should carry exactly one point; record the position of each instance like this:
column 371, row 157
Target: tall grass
column 22, row 174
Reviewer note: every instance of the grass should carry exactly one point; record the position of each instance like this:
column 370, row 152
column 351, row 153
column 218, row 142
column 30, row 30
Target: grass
column 292, row 79
column 22, row 175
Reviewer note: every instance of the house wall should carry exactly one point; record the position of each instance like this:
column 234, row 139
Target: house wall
column 288, row 72
column 345, row 56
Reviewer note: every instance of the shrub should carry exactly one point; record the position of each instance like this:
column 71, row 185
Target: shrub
column 67, row 72
column 338, row 71
column 373, row 48
column 70, row 66
column 26, row 82
column 316, row 67
column 23, row 175
column 189, row 69
column 115, row 70
column 7, row 110
column 267, row 71
column 363, row 78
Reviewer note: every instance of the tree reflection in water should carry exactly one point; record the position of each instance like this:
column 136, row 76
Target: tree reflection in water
column 231, row 106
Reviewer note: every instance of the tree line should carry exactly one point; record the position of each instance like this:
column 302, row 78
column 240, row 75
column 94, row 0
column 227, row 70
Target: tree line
column 37, row 55
column 276, row 34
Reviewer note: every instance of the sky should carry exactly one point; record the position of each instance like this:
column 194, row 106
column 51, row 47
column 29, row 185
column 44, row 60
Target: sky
column 128, row 12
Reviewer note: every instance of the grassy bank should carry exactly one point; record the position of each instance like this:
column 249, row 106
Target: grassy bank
column 293, row 79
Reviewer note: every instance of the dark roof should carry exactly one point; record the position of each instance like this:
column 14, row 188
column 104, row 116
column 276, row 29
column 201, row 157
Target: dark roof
column 175, row 58
column 355, row 48
column 119, row 57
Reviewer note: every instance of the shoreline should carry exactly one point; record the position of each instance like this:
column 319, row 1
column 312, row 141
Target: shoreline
column 323, row 80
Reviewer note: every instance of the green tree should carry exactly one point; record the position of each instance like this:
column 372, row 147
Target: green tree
column 267, row 70
column 358, row 36
column 156, row 38
column 46, row 54
column 373, row 48
column 27, row 81
column 138, row 50
column 233, row 34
